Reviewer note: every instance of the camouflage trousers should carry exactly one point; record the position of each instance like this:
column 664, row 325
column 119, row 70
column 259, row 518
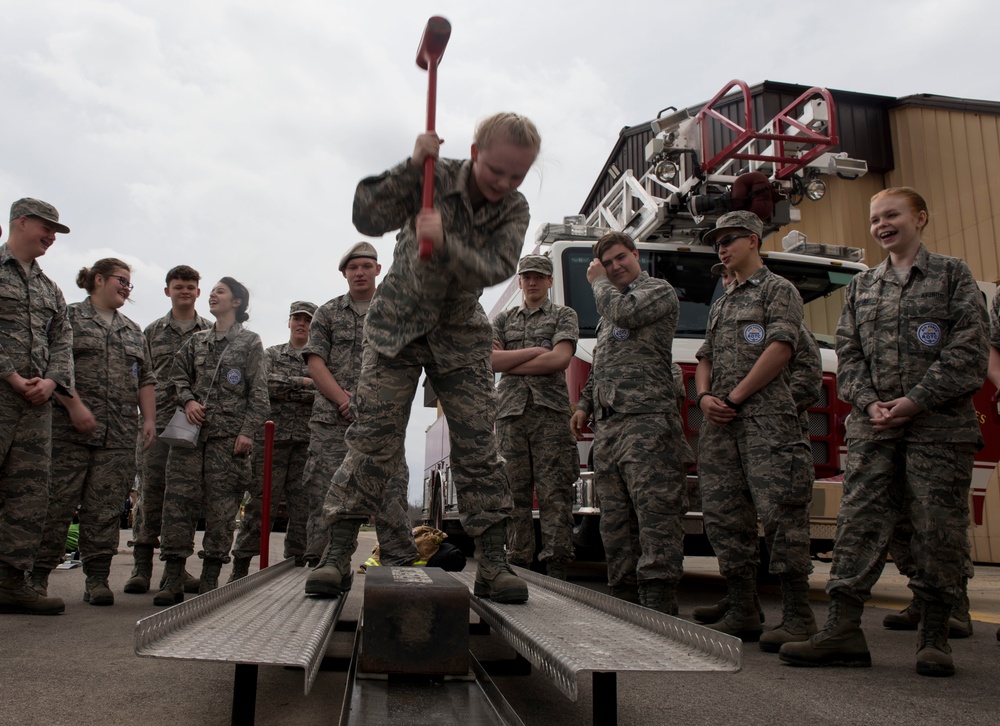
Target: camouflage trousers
column 640, row 480
column 541, row 459
column 288, row 461
column 926, row 483
column 148, row 514
column 96, row 479
column 327, row 449
column 902, row 554
column 756, row 466
column 381, row 405
column 209, row 479
column 26, row 451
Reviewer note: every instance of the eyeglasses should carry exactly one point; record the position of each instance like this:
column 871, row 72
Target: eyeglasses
column 122, row 281
column 728, row 240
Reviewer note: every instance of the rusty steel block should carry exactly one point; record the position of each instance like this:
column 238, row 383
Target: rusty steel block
column 415, row 621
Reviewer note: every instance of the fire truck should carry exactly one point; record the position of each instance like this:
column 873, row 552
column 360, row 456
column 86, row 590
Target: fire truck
column 775, row 171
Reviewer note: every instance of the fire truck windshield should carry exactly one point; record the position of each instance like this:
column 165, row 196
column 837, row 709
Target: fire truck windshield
column 697, row 288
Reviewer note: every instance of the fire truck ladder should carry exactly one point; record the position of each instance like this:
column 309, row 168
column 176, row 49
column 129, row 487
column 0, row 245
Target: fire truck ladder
column 797, row 138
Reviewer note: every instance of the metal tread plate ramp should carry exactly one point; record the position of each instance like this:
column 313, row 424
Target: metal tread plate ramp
column 278, row 626
column 568, row 631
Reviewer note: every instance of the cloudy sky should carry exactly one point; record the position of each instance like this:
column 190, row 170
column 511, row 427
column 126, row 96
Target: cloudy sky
column 230, row 135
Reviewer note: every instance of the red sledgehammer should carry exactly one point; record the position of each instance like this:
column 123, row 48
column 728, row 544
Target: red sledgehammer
column 432, row 45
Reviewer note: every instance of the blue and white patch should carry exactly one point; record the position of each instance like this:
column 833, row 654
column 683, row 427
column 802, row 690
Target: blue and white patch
column 754, row 333
column 547, row 344
column 619, row 333
column 234, row 376
column 135, row 369
column 929, row 334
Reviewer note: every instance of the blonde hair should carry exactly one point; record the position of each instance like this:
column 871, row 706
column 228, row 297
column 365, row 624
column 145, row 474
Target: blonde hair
column 517, row 129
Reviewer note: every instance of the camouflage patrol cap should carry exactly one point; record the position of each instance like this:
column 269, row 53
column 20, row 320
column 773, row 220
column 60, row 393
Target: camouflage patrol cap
column 747, row 221
column 302, row 307
column 361, row 249
column 718, row 268
column 29, row 207
column 535, row 263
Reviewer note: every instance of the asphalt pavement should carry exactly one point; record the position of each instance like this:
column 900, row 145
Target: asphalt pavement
column 80, row 668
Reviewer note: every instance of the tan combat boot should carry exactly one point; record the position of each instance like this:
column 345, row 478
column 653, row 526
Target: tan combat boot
column 241, row 568
column 209, row 579
column 172, row 590
column 333, row 577
column 495, row 579
column 38, row 580
column 741, row 619
column 797, row 621
column 16, row 596
column 840, row 642
column 97, row 571
column 659, row 595
column 142, row 570
column 933, row 651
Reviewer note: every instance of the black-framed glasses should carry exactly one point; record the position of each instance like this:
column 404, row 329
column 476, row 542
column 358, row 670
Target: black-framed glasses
column 728, row 240
column 123, row 281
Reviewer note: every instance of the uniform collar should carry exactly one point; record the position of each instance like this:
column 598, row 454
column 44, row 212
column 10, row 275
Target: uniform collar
column 6, row 256
column 87, row 310
column 544, row 307
column 884, row 270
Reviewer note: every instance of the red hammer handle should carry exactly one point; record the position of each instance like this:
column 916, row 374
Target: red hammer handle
column 432, row 45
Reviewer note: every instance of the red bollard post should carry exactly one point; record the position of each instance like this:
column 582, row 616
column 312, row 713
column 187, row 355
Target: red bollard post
column 432, row 45
column 265, row 497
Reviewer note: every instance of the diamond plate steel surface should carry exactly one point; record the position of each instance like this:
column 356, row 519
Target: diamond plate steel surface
column 263, row 619
column 567, row 631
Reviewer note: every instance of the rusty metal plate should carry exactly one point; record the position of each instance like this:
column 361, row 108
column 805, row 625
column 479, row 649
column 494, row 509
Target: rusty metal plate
column 416, row 621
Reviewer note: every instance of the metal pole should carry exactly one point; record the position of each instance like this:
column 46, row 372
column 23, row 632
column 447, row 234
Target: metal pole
column 265, row 498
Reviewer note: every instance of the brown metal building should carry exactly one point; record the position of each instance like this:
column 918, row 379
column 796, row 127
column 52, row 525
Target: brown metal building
column 946, row 148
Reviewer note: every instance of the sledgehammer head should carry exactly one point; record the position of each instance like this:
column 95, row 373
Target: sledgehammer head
column 433, row 42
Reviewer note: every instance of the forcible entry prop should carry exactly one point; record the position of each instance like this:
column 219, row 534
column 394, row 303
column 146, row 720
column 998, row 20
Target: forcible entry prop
column 432, row 45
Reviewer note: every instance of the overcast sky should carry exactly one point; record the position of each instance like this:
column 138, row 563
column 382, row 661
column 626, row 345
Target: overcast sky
column 230, row 135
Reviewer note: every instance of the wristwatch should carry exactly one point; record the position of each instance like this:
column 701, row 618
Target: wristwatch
column 731, row 403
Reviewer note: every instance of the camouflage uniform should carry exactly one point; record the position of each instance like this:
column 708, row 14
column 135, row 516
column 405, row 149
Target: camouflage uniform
column 291, row 405
column 164, row 338
column 336, row 336
column 534, row 433
column 995, row 320
column 638, row 454
column 426, row 316
column 96, row 470
column 757, row 463
column 36, row 340
column 926, row 340
column 209, row 475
